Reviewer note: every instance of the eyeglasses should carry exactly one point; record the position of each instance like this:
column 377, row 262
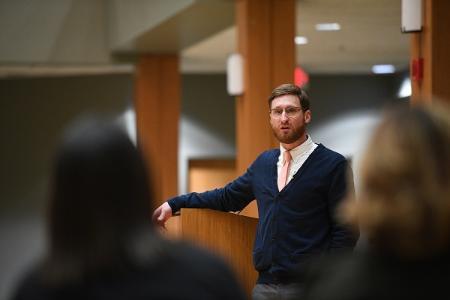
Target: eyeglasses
column 290, row 112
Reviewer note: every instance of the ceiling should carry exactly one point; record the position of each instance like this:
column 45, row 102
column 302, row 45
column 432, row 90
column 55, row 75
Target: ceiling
column 76, row 37
column 370, row 34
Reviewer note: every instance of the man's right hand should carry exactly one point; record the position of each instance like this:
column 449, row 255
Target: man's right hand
column 162, row 214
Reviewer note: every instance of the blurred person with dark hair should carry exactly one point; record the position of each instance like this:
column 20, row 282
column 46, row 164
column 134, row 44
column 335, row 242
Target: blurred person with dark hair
column 403, row 210
column 101, row 241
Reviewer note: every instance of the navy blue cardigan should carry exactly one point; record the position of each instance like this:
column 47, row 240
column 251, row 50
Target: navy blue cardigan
column 296, row 223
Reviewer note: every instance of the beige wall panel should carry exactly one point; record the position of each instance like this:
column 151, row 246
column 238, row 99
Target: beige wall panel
column 210, row 174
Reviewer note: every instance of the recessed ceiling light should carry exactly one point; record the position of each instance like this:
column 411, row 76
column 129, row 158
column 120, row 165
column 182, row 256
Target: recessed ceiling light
column 383, row 69
column 328, row 26
column 301, row 40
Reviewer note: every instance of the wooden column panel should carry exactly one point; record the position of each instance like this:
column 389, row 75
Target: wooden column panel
column 157, row 105
column 433, row 44
column 266, row 31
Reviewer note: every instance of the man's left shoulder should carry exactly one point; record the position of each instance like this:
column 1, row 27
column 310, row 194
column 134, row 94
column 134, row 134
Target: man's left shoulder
column 329, row 154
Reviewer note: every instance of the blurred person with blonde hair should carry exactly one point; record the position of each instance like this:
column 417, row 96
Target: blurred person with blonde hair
column 402, row 210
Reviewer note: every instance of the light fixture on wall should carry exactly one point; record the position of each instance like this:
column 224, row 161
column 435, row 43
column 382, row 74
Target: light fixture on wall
column 411, row 15
column 235, row 74
column 301, row 40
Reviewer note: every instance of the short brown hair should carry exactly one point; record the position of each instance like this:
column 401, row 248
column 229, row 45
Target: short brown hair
column 291, row 89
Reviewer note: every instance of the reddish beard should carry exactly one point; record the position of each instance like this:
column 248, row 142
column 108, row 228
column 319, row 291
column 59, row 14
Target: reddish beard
column 289, row 137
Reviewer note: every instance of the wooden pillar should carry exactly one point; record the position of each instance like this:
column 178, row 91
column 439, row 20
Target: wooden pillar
column 157, row 105
column 266, row 31
column 433, row 46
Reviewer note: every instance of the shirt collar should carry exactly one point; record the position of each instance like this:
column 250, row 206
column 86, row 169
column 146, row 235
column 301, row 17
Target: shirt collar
column 300, row 150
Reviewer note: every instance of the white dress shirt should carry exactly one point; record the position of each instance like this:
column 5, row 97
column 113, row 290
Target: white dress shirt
column 299, row 155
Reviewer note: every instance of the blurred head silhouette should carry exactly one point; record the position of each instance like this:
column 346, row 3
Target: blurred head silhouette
column 100, row 200
column 403, row 206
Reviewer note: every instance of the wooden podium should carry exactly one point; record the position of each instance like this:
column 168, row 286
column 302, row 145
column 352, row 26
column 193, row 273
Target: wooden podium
column 226, row 234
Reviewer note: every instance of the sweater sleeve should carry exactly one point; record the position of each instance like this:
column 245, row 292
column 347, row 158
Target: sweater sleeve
column 342, row 237
column 233, row 197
